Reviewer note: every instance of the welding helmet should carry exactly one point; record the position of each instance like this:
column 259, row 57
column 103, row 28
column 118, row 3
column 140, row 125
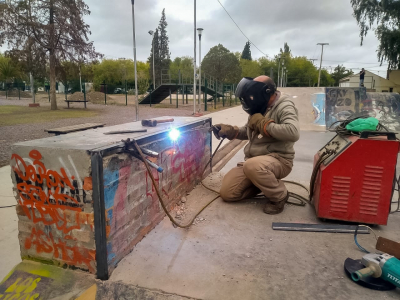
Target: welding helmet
column 254, row 95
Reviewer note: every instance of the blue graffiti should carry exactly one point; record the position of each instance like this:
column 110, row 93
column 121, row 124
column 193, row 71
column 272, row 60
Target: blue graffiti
column 111, row 181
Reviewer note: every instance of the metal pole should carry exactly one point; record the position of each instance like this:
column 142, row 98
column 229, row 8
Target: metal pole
column 32, row 88
column 279, row 67
column 194, row 62
column 199, row 69
column 126, row 92
column 320, row 63
column 80, row 78
column 154, row 74
column 205, row 94
column 134, row 58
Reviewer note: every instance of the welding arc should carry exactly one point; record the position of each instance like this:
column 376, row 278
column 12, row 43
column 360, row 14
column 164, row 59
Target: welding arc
column 159, row 194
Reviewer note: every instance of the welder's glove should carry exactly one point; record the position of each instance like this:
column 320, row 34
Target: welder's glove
column 258, row 123
column 225, row 131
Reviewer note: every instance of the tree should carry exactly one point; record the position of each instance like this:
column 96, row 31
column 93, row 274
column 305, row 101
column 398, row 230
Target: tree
column 8, row 71
column 250, row 68
column 54, row 27
column 301, row 72
column 155, row 45
column 266, row 65
column 246, row 54
column 114, row 72
column 185, row 65
column 222, row 64
column 161, row 50
column 340, row 72
column 386, row 15
column 164, row 42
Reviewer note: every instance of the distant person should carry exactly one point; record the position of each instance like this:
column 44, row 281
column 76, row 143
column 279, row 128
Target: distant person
column 272, row 129
column 362, row 73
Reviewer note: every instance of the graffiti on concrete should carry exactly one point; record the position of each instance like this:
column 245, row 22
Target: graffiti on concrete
column 318, row 103
column 21, row 285
column 53, row 199
column 59, row 248
column 342, row 103
column 130, row 198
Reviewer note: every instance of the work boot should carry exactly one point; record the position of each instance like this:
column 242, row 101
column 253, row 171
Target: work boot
column 274, row 208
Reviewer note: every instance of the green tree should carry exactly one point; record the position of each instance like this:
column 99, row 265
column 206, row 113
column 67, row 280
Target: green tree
column 222, row 64
column 161, row 50
column 56, row 27
column 157, row 59
column 326, row 79
column 164, row 42
column 185, row 65
column 250, row 68
column 340, row 72
column 266, row 65
column 246, row 54
column 300, row 72
column 114, row 72
column 8, row 71
column 386, row 15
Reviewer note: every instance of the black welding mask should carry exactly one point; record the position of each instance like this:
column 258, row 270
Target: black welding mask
column 254, row 95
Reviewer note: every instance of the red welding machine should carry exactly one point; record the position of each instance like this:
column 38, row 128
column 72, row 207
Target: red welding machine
column 353, row 177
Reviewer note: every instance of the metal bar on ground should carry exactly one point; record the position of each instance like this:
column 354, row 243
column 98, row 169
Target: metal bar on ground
column 334, row 228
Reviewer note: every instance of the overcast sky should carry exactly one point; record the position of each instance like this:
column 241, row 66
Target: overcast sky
column 268, row 24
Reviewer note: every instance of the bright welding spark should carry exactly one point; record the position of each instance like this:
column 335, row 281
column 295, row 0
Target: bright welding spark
column 174, row 134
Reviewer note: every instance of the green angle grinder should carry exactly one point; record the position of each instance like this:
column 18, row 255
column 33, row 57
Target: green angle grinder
column 375, row 271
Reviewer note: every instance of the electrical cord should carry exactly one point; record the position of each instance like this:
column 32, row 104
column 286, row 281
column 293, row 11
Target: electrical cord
column 7, row 206
column 341, row 128
column 355, row 237
column 159, row 194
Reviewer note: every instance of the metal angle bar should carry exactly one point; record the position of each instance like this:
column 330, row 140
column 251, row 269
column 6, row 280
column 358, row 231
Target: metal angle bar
column 336, row 228
column 99, row 216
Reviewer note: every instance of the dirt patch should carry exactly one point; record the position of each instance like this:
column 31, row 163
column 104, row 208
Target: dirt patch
column 94, row 97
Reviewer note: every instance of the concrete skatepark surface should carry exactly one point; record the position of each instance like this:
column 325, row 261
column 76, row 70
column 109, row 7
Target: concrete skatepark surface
column 232, row 251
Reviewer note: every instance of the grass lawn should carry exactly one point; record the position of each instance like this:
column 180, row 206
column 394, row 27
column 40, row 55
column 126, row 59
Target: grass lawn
column 13, row 115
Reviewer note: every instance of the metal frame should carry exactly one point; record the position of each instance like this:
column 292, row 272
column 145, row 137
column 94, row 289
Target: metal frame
column 99, row 216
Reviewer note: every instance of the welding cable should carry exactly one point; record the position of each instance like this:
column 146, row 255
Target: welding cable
column 159, row 194
column 324, row 156
column 7, row 206
column 340, row 129
column 355, row 237
column 396, row 181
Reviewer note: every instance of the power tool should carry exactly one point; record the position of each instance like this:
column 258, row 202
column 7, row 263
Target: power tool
column 382, row 266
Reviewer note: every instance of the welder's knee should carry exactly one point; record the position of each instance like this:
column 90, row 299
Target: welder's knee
column 251, row 167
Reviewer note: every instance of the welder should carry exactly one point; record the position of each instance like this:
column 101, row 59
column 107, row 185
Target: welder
column 272, row 129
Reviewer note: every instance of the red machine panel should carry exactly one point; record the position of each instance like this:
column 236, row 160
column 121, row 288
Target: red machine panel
column 355, row 183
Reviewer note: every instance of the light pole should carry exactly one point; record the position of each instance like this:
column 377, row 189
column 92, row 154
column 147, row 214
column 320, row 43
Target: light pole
column 151, row 32
column 200, row 31
column 320, row 63
column 279, row 66
column 282, row 73
column 194, row 62
column 134, row 59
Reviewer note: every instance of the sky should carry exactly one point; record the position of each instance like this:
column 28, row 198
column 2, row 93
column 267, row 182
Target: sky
column 268, row 24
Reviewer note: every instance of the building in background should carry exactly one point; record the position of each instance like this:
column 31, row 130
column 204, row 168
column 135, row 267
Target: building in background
column 373, row 82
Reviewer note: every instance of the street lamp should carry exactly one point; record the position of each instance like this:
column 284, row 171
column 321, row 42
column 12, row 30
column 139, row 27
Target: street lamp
column 134, row 59
column 151, row 32
column 200, row 31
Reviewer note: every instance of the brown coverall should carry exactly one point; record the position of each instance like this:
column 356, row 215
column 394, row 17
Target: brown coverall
column 267, row 159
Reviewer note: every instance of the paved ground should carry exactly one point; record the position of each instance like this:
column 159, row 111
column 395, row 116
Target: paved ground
column 234, row 253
